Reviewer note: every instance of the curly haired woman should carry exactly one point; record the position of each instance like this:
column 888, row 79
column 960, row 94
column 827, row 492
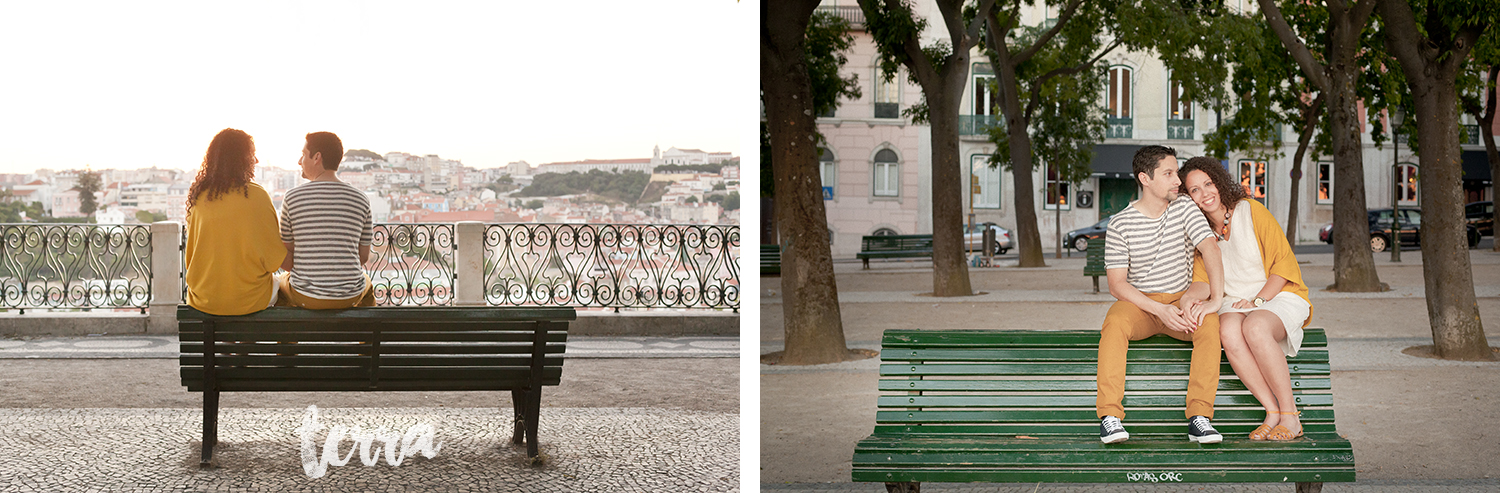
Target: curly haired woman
column 1265, row 301
column 233, row 240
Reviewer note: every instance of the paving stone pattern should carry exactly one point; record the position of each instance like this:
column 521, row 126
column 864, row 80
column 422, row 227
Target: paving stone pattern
column 585, row 449
column 165, row 347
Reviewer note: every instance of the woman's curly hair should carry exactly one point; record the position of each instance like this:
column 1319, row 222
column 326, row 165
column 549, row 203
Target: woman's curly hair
column 228, row 166
column 1230, row 191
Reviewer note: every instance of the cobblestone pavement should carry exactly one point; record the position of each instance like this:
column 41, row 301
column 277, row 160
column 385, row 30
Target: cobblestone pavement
column 165, row 347
column 1386, row 486
column 585, row 449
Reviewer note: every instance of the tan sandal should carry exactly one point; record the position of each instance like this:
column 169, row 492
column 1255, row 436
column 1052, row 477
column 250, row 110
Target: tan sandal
column 1261, row 432
column 1282, row 434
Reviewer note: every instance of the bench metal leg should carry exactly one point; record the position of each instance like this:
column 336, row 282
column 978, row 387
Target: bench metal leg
column 903, row 487
column 867, row 263
column 210, row 426
column 533, row 415
column 1309, row 487
column 519, row 399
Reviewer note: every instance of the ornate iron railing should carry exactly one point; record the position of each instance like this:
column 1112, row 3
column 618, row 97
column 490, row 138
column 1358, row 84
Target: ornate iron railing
column 75, row 266
column 977, row 124
column 1119, row 128
column 1469, row 135
column 1180, row 129
column 612, row 265
column 412, row 264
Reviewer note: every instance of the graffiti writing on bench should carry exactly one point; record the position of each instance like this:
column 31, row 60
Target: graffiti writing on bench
column 1159, row 477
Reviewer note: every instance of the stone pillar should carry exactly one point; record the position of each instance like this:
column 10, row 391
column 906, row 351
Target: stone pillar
column 469, row 263
column 166, row 277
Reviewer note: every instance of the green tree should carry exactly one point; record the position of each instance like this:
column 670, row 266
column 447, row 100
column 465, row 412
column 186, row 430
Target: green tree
column 89, row 184
column 11, row 212
column 732, row 202
column 148, row 217
column 941, row 69
column 363, row 153
column 692, row 200
column 534, row 204
column 793, row 69
column 1432, row 44
column 1336, row 73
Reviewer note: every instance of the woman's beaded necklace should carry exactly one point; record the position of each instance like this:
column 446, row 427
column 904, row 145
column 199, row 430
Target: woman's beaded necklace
column 1223, row 232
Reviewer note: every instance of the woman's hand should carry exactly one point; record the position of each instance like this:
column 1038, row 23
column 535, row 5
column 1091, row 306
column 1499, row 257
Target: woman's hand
column 1243, row 304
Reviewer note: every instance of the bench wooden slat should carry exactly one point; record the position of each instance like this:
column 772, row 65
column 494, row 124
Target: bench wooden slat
column 1059, row 355
column 306, row 335
column 1173, row 415
column 1120, row 475
column 1226, row 383
column 1311, row 339
column 364, row 385
column 382, row 349
column 1138, row 428
column 481, row 314
column 1047, row 401
column 1167, row 369
column 222, row 361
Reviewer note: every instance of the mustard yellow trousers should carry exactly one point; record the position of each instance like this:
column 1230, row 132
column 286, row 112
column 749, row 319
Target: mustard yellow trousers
column 1124, row 323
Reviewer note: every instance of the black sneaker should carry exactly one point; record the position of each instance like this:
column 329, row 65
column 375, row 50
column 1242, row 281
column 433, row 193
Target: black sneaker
column 1111, row 431
column 1201, row 431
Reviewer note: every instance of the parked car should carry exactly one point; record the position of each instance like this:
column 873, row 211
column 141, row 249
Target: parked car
column 974, row 238
column 1380, row 230
column 1079, row 238
column 1481, row 215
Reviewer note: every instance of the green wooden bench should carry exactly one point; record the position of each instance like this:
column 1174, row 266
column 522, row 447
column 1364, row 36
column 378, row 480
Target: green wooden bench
column 1018, row 407
column 1095, row 265
column 770, row 259
column 894, row 246
column 375, row 349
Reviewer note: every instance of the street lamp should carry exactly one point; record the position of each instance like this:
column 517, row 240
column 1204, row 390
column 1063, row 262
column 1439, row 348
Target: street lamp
column 1396, row 117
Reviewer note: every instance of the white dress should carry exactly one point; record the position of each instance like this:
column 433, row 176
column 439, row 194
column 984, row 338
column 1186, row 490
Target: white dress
column 1245, row 274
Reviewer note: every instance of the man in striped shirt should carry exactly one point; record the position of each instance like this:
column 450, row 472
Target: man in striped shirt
column 326, row 226
column 1148, row 258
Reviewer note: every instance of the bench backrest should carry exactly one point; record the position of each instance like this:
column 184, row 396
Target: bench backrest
column 896, row 243
column 1095, row 264
column 291, row 349
column 1037, row 383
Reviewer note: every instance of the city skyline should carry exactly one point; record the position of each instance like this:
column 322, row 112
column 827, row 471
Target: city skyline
column 149, row 86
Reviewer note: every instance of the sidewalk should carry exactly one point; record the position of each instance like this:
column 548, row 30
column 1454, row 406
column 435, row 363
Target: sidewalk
column 1417, row 424
column 110, row 414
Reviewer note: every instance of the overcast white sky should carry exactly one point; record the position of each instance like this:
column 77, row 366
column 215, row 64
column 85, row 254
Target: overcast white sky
column 137, row 84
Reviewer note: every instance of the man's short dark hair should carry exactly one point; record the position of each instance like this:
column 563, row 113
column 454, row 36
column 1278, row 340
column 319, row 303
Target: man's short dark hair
column 328, row 144
column 1146, row 159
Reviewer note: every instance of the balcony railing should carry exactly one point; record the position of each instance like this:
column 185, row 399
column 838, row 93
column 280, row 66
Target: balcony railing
column 887, row 110
column 86, row 266
column 977, row 124
column 612, row 265
column 75, row 266
column 1179, row 129
column 1119, row 128
column 1469, row 136
column 850, row 13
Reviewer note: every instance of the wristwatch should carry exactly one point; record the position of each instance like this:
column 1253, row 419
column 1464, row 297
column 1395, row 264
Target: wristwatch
column 1258, row 301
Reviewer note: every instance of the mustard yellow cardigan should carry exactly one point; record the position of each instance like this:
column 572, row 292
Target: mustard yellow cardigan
column 1275, row 254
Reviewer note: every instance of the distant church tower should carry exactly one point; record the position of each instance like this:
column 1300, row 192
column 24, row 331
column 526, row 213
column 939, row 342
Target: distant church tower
column 656, row 154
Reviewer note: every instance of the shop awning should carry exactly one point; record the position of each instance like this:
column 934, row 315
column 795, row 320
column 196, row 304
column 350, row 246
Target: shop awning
column 1476, row 166
column 1113, row 160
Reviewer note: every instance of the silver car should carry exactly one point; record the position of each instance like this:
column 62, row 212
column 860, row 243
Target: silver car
column 974, row 238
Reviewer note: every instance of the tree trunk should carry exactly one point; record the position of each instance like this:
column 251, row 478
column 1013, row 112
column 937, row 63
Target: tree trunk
column 814, row 332
column 1353, row 262
column 1431, row 73
column 1028, row 236
column 1310, row 115
column 950, row 269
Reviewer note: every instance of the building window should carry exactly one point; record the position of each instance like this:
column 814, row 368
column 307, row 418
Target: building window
column 985, row 100
column 1253, row 179
column 984, row 183
column 828, row 171
column 1406, row 173
column 884, row 232
column 1119, row 91
column 887, row 174
column 1325, row 183
column 1179, row 108
column 1058, row 192
column 887, row 95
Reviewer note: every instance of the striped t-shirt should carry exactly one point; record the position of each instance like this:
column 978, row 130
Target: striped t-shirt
column 1157, row 253
column 326, row 222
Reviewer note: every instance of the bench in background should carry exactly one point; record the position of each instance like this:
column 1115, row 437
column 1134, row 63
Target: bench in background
column 894, row 246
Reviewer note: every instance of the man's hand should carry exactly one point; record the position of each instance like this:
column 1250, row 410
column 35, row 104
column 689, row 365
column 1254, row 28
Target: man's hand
column 1173, row 318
